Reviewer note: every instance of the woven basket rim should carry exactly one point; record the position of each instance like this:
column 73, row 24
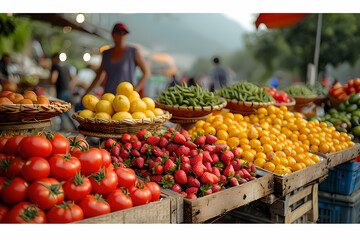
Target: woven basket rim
column 127, row 122
column 13, row 108
column 291, row 103
column 304, row 97
column 192, row 108
column 252, row 103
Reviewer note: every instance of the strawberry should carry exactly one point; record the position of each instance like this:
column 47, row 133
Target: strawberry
column 210, row 139
column 136, row 145
column 163, row 142
column 215, row 157
column 134, row 138
column 172, row 147
column 209, row 178
column 126, row 137
column 242, row 181
column 115, row 151
column 220, row 147
column 236, row 164
column 184, row 194
column 156, row 151
column 198, row 169
column 229, row 170
column 192, row 190
column 190, row 145
column 169, row 166
column 144, row 156
column 191, row 196
column 207, row 157
column 135, row 153
column 210, row 148
column 208, row 192
column 252, row 178
column 184, row 132
column 197, row 159
column 194, row 153
column 121, row 165
column 182, row 151
column 110, row 143
column 158, row 159
column 180, row 176
column 226, row 157
column 192, row 181
column 246, row 173
column 187, row 137
column 216, row 188
column 223, row 179
column 236, row 152
column 156, row 178
column 159, row 169
column 167, row 181
column 178, row 138
column 172, row 158
column 133, row 163
column 167, row 135
column 153, row 140
column 200, row 141
column 143, row 142
column 144, row 173
column 215, row 171
column 128, row 146
column 185, row 159
column 186, row 167
column 233, row 181
column 143, row 134
column 251, row 167
column 208, row 166
column 144, row 148
column 176, row 188
column 151, row 164
column 115, row 159
column 171, row 130
column 240, row 173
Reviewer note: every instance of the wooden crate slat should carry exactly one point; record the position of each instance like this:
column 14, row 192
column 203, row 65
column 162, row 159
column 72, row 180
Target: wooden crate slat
column 300, row 211
column 337, row 158
column 313, row 215
column 300, row 195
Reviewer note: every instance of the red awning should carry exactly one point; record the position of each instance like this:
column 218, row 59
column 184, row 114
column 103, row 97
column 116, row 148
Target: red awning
column 278, row 20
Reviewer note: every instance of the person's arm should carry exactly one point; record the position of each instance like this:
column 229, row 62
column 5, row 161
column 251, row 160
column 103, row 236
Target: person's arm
column 100, row 74
column 73, row 80
column 53, row 77
column 140, row 61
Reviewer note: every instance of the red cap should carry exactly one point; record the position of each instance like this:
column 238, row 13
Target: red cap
column 120, row 27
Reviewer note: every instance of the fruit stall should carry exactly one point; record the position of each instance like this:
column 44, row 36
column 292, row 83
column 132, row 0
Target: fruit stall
column 243, row 153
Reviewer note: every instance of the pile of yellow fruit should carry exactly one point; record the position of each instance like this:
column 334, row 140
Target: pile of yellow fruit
column 126, row 104
column 274, row 138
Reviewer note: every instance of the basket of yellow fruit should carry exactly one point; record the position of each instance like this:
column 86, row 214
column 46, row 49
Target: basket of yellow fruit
column 122, row 113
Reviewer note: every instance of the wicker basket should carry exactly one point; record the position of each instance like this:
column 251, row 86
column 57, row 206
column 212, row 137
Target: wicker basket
column 319, row 100
column 335, row 101
column 23, row 113
column 245, row 108
column 131, row 126
column 304, row 101
column 179, row 111
column 290, row 105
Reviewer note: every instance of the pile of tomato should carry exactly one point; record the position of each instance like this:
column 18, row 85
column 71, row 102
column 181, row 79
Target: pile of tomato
column 48, row 178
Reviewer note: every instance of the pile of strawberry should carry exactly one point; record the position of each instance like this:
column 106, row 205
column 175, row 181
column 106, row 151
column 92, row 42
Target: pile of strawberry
column 49, row 178
column 191, row 167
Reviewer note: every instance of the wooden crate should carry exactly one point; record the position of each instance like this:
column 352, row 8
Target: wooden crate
column 169, row 210
column 201, row 209
column 288, row 183
column 342, row 156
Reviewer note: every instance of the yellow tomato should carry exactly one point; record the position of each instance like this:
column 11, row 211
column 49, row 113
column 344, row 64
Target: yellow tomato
column 222, row 135
column 260, row 155
column 248, row 156
column 265, row 140
column 324, row 148
column 199, row 124
column 233, row 132
column 238, row 117
column 210, row 119
column 269, row 166
column 210, row 130
column 260, row 162
column 220, row 141
column 229, row 115
column 221, row 127
column 297, row 167
column 233, row 142
column 267, row 148
column 254, row 143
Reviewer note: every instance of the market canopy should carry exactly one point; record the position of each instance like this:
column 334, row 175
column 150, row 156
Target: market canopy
column 278, row 20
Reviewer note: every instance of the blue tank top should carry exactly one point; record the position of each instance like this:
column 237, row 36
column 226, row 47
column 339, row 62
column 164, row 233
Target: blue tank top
column 121, row 71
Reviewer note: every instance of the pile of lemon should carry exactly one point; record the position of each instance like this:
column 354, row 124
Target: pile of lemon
column 274, row 138
column 126, row 104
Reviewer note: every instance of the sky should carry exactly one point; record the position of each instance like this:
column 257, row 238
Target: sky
column 247, row 20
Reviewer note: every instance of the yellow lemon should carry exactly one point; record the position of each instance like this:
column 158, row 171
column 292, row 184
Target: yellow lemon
column 103, row 115
column 89, row 101
column 125, row 88
column 121, row 115
column 150, row 104
column 149, row 114
column 86, row 113
column 158, row 112
column 121, row 103
column 108, row 96
column 134, row 95
column 104, row 106
column 137, row 106
column 138, row 115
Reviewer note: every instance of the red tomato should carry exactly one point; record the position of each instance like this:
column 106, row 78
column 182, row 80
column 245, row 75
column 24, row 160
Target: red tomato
column 94, row 205
column 14, row 191
column 139, row 194
column 3, row 211
column 126, row 176
column 77, row 144
column 106, row 156
column 32, row 146
column 59, row 143
column 46, row 192
column 4, row 164
column 357, row 82
column 110, row 167
column 103, row 182
column 63, row 167
column 11, row 146
column 154, row 189
column 25, row 212
column 2, row 182
column 66, row 212
column 35, row 168
column 3, row 141
column 350, row 83
column 118, row 200
column 90, row 160
column 14, row 169
column 77, row 187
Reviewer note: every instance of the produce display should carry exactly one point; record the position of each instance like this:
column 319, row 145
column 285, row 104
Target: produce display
column 345, row 118
column 343, row 91
column 320, row 89
column 126, row 104
column 274, row 138
column 191, row 167
column 182, row 95
column 279, row 96
column 49, row 178
column 245, row 92
column 299, row 91
column 29, row 98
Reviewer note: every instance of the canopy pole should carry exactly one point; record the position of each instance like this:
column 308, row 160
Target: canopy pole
column 317, row 46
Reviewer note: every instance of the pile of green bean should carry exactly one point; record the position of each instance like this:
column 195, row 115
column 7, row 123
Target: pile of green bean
column 299, row 91
column 185, row 96
column 246, row 92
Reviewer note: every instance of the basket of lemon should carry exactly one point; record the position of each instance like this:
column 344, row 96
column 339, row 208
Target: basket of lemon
column 122, row 113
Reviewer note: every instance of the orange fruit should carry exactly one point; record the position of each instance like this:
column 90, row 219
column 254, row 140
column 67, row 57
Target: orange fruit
column 260, row 162
column 269, row 166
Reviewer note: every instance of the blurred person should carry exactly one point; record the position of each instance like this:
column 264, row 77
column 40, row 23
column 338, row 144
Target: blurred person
column 4, row 73
column 204, row 81
column 219, row 75
column 61, row 77
column 275, row 81
column 85, row 76
column 119, row 64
